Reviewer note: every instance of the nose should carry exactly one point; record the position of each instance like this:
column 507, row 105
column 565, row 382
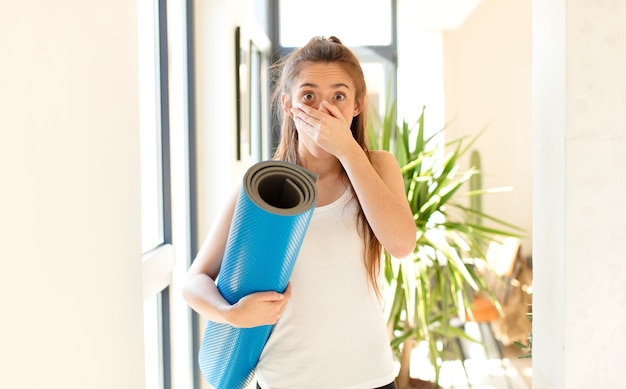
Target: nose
column 320, row 106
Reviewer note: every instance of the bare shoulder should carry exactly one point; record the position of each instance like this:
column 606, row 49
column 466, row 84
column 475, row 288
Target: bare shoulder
column 383, row 161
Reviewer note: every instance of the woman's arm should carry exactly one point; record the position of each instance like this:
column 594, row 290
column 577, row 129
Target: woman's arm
column 202, row 295
column 378, row 184
column 380, row 189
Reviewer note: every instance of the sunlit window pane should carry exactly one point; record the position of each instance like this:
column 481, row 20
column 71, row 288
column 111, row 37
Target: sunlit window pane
column 152, row 342
column 150, row 127
column 377, row 85
column 355, row 22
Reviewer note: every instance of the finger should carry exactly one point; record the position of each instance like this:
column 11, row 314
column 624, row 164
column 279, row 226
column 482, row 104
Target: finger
column 297, row 113
column 270, row 296
column 303, row 125
column 280, row 311
column 287, row 292
column 331, row 109
column 334, row 111
column 302, row 116
column 310, row 112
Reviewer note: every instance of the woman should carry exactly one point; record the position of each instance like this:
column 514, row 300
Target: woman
column 329, row 330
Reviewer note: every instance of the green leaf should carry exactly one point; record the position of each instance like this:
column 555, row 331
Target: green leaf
column 424, row 292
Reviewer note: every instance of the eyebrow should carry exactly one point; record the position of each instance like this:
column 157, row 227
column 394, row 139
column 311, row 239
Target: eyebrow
column 335, row 86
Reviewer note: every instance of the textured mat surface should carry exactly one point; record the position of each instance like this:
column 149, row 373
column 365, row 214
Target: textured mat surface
column 271, row 217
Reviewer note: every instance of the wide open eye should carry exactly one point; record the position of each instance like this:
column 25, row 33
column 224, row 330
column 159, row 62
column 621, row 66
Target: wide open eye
column 308, row 96
column 340, row 97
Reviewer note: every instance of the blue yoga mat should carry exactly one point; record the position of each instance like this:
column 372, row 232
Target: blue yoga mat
column 271, row 217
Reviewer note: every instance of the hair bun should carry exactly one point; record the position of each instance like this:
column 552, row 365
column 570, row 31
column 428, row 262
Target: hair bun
column 331, row 38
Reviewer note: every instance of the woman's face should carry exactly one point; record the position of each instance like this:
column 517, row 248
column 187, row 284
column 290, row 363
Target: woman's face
column 320, row 82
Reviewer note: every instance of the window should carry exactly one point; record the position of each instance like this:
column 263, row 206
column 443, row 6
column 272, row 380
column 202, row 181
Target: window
column 158, row 255
column 355, row 22
column 150, row 126
column 371, row 35
column 163, row 29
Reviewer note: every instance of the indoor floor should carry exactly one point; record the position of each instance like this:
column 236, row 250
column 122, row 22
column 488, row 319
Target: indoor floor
column 485, row 368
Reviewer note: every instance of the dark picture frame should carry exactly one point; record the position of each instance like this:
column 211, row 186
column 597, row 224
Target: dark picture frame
column 242, row 87
column 252, row 48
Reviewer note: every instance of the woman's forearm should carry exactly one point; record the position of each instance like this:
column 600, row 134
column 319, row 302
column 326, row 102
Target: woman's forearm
column 202, row 295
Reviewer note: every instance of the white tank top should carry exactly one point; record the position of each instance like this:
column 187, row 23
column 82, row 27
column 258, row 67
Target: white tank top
column 332, row 334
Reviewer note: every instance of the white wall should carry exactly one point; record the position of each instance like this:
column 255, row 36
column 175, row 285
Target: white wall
column 488, row 81
column 217, row 168
column 70, row 234
column 579, row 57
column 420, row 74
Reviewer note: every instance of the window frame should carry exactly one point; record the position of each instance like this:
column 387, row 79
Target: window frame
column 158, row 262
column 386, row 55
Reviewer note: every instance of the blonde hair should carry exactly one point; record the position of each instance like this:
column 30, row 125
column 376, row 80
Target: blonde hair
column 327, row 50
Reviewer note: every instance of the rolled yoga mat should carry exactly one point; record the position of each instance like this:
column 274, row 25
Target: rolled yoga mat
column 271, row 217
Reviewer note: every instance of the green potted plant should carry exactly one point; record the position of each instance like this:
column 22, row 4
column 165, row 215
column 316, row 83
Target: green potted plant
column 425, row 291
